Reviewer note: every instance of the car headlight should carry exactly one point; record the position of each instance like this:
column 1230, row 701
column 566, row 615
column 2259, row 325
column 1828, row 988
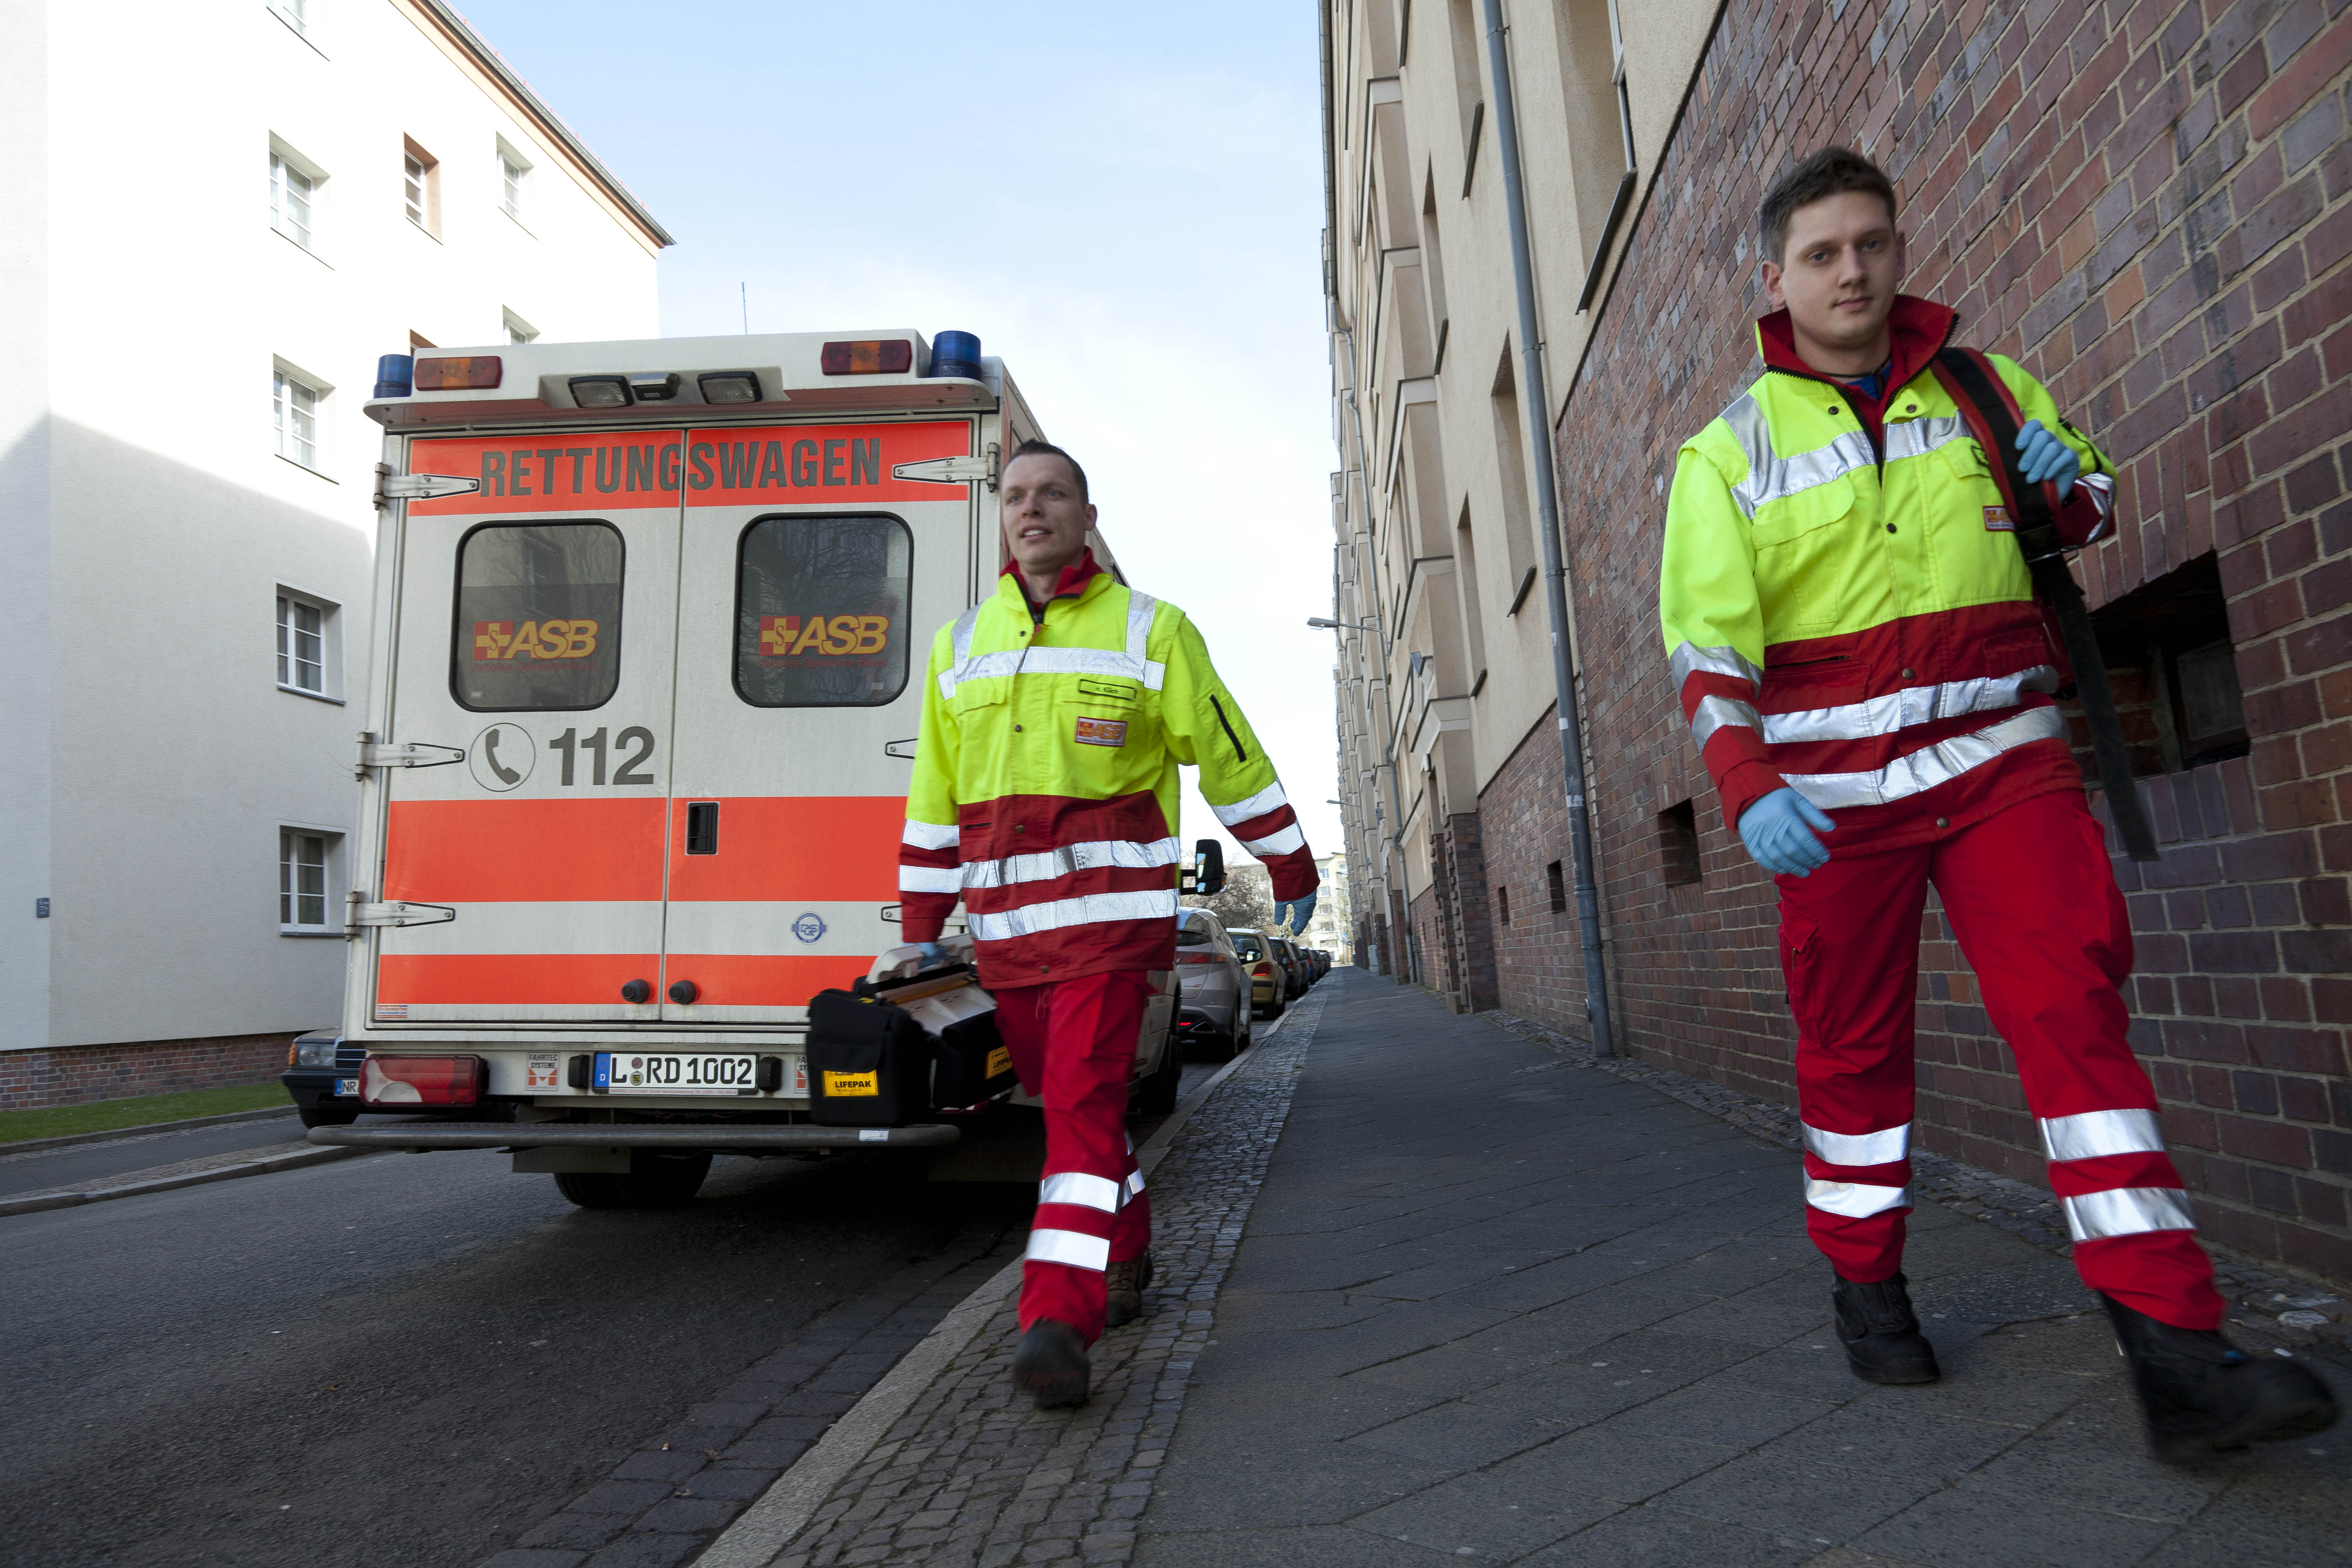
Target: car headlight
column 315, row 1051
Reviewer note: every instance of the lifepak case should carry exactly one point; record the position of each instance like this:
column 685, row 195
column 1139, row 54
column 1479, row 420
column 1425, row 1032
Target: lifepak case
column 952, row 1059
column 869, row 1062
column 968, row 1062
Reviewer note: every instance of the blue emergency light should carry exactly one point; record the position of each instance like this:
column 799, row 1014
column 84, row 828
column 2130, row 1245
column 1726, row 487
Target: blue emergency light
column 395, row 375
column 956, row 354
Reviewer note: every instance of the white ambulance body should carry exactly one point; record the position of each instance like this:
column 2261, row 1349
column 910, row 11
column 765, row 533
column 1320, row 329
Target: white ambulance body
column 650, row 627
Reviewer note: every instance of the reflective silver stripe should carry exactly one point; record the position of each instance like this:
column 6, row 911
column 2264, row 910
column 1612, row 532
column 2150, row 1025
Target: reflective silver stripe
column 2095, row 1134
column 1258, row 804
column 2102, row 488
column 1781, row 477
column 1689, row 658
column 931, row 879
column 1894, row 710
column 1881, row 1148
column 2127, row 1211
column 1714, row 712
column 1140, row 606
column 1290, row 840
column 1752, row 430
column 1054, row 661
column 1091, row 909
column 1075, row 1248
column 1930, row 765
column 1134, row 1184
column 1076, row 1187
column 1852, row 1199
column 1918, row 437
column 930, row 834
column 961, row 638
column 1095, row 855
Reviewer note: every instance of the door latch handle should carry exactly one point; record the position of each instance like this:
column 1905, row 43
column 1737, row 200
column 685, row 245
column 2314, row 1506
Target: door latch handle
column 702, row 827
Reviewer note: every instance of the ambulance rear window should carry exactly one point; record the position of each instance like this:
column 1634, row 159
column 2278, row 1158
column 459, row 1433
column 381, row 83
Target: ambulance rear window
column 538, row 617
column 821, row 611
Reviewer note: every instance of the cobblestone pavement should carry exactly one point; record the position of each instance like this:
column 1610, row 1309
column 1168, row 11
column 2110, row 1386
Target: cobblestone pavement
column 972, row 1475
column 1492, row 1305
column 2304, row 1311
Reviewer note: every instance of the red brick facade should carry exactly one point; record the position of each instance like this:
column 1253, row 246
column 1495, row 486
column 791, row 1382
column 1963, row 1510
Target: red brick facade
column 2149, row 206
column 31, row 1080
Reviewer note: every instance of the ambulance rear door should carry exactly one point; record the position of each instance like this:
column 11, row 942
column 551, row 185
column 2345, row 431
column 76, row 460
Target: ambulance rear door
column 811, row 584
column 535, row 630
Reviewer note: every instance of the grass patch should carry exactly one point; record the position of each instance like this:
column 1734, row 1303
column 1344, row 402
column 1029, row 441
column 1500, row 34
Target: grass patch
column 106, row 1115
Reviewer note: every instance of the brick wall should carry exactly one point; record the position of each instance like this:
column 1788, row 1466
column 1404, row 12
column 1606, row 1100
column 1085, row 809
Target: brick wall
column 2149, row 206
column 1458, row 854
column 69, row 1076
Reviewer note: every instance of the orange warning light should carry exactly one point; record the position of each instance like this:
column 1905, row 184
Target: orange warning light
column 885, row 356
column 479, row 372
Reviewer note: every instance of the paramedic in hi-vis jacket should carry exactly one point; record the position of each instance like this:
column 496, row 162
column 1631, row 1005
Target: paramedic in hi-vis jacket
column 1853, row 632
column 1055, row 715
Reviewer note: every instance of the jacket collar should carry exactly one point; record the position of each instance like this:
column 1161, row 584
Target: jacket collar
column 1073, row 582
column 1919, row 328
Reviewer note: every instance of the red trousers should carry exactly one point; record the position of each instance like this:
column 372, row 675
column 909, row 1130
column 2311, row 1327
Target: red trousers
column 2035, row 906
column 1073, row 1043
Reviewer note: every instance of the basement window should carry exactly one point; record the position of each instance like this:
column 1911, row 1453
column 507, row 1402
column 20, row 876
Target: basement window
column 1503, row 905
column 1678, row 845
column 1556, row 885
column 2174, row 671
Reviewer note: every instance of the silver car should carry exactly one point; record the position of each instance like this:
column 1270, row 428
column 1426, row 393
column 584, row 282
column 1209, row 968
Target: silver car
column 1213, row 1013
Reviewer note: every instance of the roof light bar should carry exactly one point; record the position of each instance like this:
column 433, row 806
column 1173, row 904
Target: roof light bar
column 872, row 356
column 477, row 372
column 729, row 387
column 601, row 390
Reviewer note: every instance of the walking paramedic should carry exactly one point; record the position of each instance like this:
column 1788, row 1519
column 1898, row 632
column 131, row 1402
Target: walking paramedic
column 1055, row 715
column 1853, row 632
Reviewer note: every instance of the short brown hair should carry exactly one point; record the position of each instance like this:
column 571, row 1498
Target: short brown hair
column 1831, row 172
column 1034, row 448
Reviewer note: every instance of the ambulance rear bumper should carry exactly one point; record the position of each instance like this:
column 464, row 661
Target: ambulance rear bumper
column 423, row 1137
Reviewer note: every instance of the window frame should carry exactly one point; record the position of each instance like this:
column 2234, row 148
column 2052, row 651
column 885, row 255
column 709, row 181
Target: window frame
column 424, row 213
column 518, row 332
column 330, row 865
column 515, row 184
column 285, row 165
column 285, row 379
column 458, row 636
column 330, row 663
column 735, row 629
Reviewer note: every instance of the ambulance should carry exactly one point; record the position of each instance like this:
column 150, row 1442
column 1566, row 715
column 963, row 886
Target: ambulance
column 650, row 623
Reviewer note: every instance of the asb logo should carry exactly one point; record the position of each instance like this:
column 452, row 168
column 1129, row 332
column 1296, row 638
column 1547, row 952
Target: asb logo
column 537, row 639
column 781, row 637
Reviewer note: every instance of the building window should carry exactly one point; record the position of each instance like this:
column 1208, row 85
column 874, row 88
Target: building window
column 302, row 859
column 1678, row 864
column 295, row 13
column 1556, row 885
column 2174, row 670
column 421, row 187
column 291, row 194
column 294, row 405
column 1503, row 905
column 519, row 330
column 514, row 181
column 301, row 645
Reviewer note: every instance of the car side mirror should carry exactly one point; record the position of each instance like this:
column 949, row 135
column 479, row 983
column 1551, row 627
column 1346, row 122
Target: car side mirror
column 1208, row 868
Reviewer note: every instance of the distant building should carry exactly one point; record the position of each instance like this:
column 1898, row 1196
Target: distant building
column 216, row 219
column 1333, row 928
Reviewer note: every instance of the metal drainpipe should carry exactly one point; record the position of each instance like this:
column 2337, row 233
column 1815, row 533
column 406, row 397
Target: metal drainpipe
column 1563, row 677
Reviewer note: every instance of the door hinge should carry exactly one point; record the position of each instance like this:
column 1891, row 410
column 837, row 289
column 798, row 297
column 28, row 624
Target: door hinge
column 952, row 471
column 902, row 749
column 374, row 754
column 362, row 914
column 390, row 487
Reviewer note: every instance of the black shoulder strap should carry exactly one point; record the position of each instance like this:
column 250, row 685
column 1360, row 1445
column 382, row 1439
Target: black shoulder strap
column 1984, row 402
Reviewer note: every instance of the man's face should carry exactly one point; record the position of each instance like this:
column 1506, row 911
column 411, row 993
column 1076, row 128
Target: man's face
column 1839, row 275
column 1045, row 523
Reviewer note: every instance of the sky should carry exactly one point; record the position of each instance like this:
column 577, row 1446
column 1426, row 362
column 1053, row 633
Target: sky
column 1124, row 202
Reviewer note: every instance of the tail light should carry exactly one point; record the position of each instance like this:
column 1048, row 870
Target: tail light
column 421, row 1080
column 1264, row 972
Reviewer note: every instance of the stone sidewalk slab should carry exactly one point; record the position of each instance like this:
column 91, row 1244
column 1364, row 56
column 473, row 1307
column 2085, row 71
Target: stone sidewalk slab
column 1493, row 1304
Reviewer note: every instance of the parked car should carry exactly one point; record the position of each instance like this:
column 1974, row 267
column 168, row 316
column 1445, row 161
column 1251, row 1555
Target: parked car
column 1270, row 987
column 1295, row 963
column 1213, row 1016
column 322, row 1077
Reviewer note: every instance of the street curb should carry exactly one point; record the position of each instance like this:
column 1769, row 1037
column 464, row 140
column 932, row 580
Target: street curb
column 784, row 1510
column 36, row 1203
column 65, row 1140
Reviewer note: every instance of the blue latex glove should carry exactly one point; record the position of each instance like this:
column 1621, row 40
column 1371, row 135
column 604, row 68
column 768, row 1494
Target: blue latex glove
column 2047, row 458
column 1300, row 911
column 1778, row 832
column 932, row 957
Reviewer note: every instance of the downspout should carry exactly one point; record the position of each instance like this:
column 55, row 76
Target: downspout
column 1563, row 678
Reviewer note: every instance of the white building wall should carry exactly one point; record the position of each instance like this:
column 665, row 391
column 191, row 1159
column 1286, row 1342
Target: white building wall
column 168, row 520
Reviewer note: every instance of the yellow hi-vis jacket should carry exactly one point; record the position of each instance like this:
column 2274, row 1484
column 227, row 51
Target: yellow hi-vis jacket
column 1845, row 607
column 1045, row 787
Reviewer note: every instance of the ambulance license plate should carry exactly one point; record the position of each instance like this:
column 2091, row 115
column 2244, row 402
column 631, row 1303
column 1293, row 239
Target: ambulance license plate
column 696, row 1072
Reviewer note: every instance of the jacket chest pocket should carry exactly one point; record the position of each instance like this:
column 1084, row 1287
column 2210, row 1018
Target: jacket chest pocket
column 1804, row 548
column 978, row 700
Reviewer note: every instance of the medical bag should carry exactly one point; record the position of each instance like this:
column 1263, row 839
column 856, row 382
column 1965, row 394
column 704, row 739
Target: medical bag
column 887, row 1051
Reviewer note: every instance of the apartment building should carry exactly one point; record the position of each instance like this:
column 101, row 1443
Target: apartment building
column 2145, row 203
column 213, row 220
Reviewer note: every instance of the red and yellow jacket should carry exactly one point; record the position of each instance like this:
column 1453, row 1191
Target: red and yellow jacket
column 1045, row 793
column 1845, row 607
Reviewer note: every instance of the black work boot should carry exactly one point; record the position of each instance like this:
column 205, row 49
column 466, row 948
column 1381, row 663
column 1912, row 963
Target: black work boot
column 2201, row 1394
column 1881, row 1332
column 1123, row 1288
column 1052, row 1364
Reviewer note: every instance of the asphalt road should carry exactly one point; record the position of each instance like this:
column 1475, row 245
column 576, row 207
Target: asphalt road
column 79, row 1163
column 409, row 1360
